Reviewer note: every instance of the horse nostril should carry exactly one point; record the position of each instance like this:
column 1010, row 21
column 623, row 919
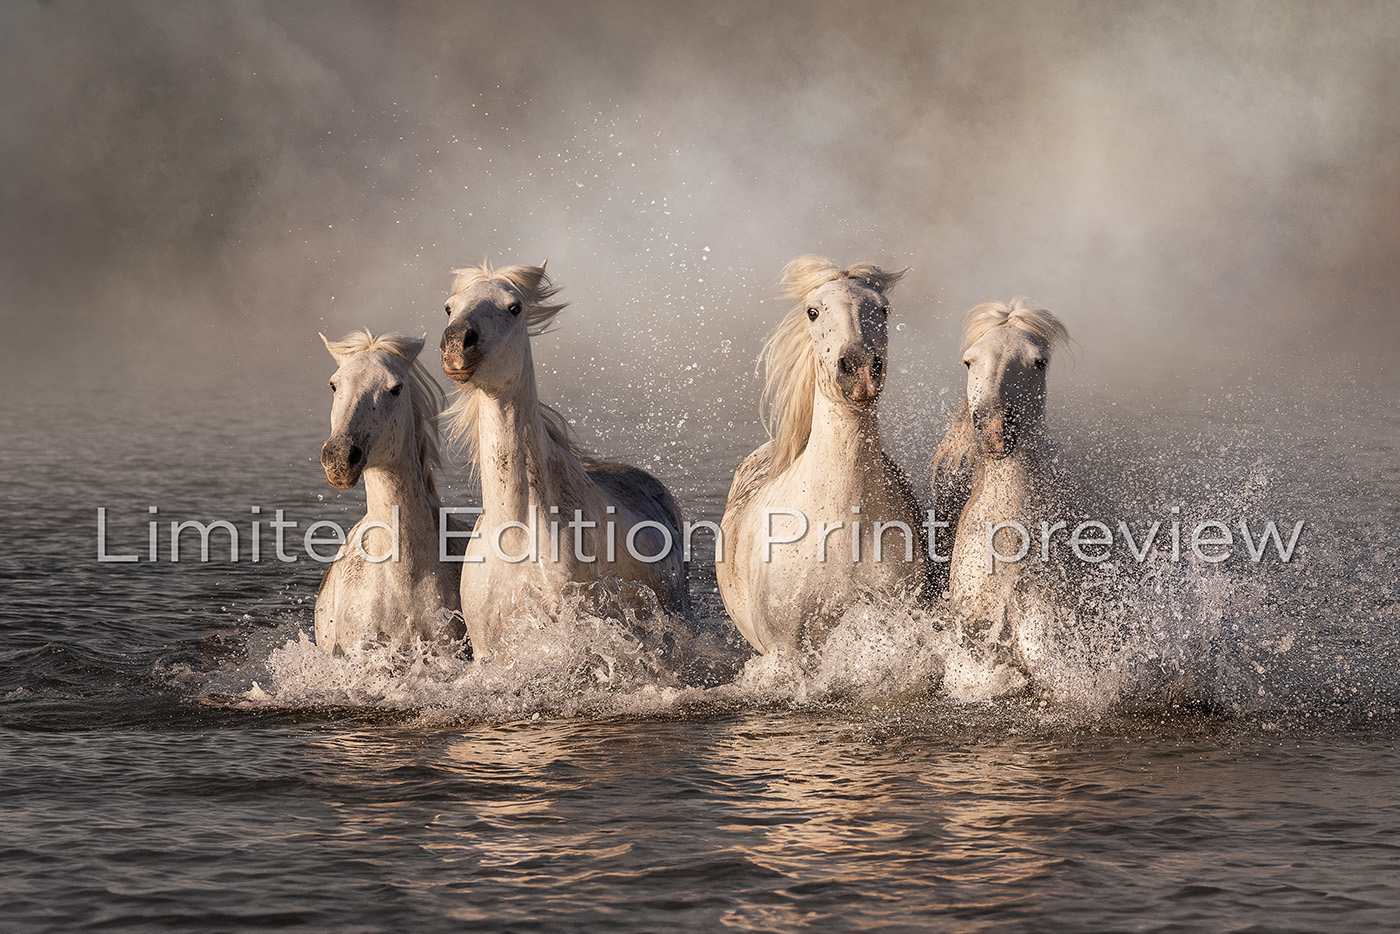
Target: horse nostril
column 877, row 365
column 469, row 337
column 355, row 455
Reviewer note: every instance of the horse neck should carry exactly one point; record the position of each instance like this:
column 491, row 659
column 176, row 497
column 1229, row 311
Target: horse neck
column 1009, row 488
column 844, row 446
column 520, row 465
column 403, row 484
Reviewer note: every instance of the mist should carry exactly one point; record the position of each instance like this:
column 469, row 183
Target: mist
column 1201, row 191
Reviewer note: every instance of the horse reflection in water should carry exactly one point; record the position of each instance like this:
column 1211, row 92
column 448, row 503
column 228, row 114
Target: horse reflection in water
column 814, row 817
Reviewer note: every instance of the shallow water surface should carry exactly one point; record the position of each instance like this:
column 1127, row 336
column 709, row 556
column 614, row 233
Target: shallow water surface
column 177, row 755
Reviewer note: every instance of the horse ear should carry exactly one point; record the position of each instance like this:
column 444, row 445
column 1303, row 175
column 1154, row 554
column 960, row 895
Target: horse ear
column 881, row 280
column 414, row 345
column 339, row 358
column 543, row 263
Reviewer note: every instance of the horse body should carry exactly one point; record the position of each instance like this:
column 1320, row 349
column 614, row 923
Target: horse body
column 376, row 592
column 824, row 470
column 992, row 467
column 546, row 508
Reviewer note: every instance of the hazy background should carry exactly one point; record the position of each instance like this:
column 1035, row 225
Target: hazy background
column 1208, row 194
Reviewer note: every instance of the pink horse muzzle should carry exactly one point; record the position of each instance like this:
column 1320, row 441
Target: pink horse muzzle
column 996, row 436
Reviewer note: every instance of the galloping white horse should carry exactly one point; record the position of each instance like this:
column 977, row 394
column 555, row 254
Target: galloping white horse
column 992, row 465
column 824, row 470
column 378, row 430
column 550, row 513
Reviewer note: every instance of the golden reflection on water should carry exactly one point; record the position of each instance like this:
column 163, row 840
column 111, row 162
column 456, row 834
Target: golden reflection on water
column 830, row 813
column 777, row 813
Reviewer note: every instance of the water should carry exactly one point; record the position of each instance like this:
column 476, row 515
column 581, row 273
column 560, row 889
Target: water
column 1220, row 754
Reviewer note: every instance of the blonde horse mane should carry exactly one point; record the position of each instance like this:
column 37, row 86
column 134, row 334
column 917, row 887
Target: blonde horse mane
column 461, row 420
column 426, row 395
column 788, row 361
column 1021, row 315
column 530, row 281
column 535, row 285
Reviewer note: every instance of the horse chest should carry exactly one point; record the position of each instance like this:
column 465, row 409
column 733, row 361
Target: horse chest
column 1002, row 503
column 804, row 585
column 367, row 601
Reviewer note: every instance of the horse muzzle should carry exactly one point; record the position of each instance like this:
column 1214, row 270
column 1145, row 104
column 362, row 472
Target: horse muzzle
column 457, row 370
column 996, row 435
column 343, row 461
column 860, row 379
column 459, row 367
column 460, row 354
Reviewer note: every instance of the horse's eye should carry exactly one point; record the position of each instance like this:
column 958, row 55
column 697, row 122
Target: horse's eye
column 968, row 364
column 396, row 389
column 332, row 385
column 447, row 308
column 513, row 308
column 1040, row 364
column 812, row 314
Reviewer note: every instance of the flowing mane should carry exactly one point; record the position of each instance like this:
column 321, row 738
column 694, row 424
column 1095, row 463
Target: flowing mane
column 424, row 391
column 787, row 359
column 461, row 419
column 535, row 285
column 1021, row 315
column 530, row 281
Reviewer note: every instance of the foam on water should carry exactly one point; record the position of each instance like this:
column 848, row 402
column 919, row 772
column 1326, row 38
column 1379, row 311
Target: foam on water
column 1137, row 638
column 1314, row 637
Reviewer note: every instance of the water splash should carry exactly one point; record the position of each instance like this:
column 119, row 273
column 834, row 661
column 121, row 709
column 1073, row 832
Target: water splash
column 1175, row 637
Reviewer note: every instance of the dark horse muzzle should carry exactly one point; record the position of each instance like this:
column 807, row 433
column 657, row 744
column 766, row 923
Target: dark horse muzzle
column 343, row 461
column 459, row 351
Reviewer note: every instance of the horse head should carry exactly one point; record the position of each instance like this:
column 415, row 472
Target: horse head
column 1006, row 349
column 491, row 317
column 846, row 316
column 372, row 417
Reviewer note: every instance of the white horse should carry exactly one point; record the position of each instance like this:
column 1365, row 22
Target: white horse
column 551, row 514
column 823, row 471
column 374, row 592
column 993, row 465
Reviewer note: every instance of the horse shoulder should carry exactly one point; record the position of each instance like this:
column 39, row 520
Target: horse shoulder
column 335, row 597
column 753, row 474
column 326, row 602
column 733, row 573
column 955, row 474
column 902, row 489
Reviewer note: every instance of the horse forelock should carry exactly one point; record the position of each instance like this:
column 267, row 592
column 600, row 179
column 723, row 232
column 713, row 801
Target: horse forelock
column 809, row 272
column 532, row 282
column 1021, row 315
